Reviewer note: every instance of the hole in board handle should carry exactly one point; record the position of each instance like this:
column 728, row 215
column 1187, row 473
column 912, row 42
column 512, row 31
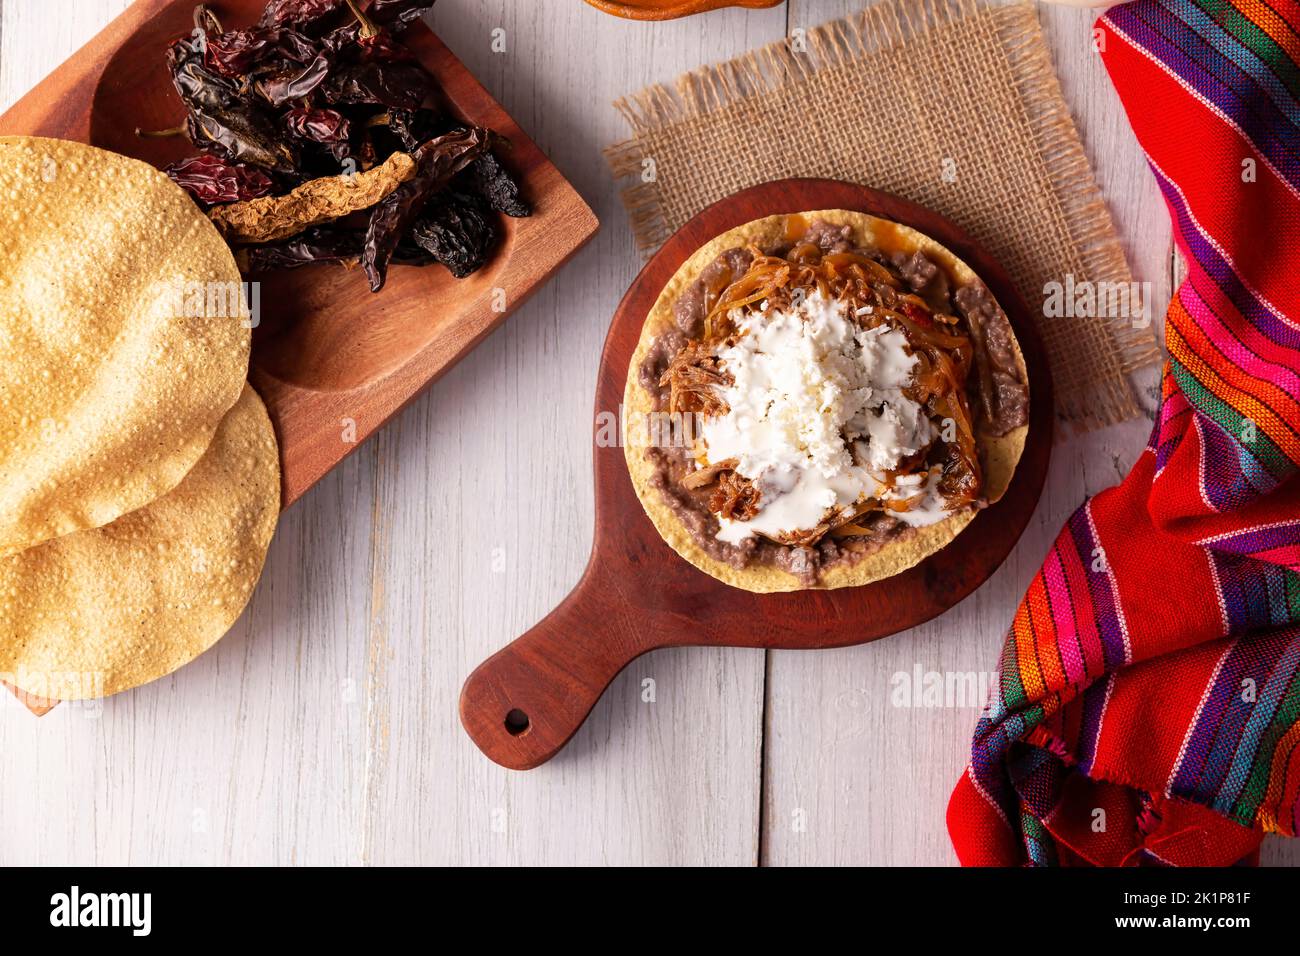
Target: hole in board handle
column 517, row 723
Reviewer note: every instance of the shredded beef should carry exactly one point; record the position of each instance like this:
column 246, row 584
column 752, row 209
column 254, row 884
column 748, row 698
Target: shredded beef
column 703, row 477
column 829, row 237
column 804, row 539
column 736, row 497
column 693, row 378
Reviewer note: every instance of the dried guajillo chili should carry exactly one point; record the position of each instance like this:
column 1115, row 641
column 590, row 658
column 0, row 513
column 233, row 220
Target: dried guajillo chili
column 319, row 88
column 318, row 125
column 211, row 180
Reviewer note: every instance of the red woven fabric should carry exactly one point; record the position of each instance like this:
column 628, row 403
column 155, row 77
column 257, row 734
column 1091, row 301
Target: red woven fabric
column 1148, row 708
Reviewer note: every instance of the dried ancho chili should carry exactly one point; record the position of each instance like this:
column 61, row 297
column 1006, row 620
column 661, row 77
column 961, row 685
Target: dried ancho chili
column 458, row 231
column 436, row 162
column 298, row 13
column 323, row 139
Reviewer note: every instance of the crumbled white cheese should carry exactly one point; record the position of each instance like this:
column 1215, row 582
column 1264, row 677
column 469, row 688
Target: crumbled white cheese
column 816, row 415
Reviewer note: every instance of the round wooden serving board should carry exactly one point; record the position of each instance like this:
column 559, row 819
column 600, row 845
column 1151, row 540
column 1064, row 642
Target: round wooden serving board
column 671, row 9
column 524, row 703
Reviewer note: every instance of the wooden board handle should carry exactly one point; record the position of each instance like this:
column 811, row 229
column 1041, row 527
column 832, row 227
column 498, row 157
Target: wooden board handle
column 523, row 703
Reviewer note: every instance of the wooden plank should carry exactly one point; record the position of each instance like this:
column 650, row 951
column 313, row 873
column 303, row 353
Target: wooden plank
column 323, row 728
column 503, row 445
column 850, row 778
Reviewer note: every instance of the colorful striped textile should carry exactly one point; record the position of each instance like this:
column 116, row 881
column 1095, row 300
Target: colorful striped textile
column 1148, row 708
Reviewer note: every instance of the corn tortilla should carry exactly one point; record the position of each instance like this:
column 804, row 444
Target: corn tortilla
column 1000, row 454
column 109, row 393
column 102, row 611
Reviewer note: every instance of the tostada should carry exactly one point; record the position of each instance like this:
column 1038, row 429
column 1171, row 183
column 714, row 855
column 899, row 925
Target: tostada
column 822, row 400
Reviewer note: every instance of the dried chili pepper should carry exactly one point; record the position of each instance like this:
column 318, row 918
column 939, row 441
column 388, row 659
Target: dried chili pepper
column 318, row 125
column 297, row 13
column 317, row 245
column 378, row 83
column 322, row 245
column 199, row 87
column 485, row 176
column 493, row 183
column 458, row 231
column 295, row 84
column 237, row 52
column 319, row 84
column 391, row 16
column 222, row 120
column 397, row 15
column 241, row 134
column 369, row 67
column 233, row 54
column 437, row 161
column 212, row 181
column 273, row 218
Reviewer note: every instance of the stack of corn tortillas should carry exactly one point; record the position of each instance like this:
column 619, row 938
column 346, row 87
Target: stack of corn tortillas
column 139, row 474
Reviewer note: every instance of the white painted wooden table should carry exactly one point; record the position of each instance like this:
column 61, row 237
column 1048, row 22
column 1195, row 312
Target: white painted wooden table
column 323, row 729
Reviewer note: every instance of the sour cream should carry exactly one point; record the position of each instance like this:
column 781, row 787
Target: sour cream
column 816, row 415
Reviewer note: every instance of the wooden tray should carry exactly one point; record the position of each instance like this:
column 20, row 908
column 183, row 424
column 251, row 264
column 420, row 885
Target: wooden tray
column 524, row 703
column 329, row 358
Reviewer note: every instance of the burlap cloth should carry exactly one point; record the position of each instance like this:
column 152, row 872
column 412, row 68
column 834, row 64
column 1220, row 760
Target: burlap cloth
column 948, row 103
